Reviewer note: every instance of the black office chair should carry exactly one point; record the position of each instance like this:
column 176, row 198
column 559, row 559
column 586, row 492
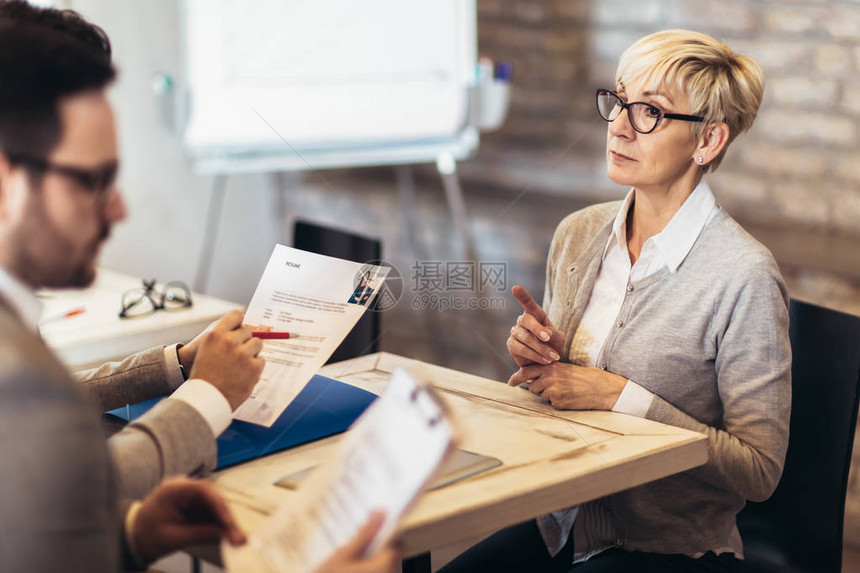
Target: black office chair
column 308, row 236
column 799, row 529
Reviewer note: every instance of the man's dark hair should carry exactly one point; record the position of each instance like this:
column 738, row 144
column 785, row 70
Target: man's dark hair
column 38, row 69
column 66, row 22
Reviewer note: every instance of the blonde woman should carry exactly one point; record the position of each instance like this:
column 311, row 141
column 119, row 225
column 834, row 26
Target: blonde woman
column 660, row 306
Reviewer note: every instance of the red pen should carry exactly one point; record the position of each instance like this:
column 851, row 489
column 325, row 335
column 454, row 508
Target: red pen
column 273, row 335
column 66, row 314
column 75, row 312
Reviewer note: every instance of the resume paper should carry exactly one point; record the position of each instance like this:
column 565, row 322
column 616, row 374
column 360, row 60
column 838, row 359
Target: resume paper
column 314, row 299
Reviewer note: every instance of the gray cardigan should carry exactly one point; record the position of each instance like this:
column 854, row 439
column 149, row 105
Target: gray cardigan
column 711, row 342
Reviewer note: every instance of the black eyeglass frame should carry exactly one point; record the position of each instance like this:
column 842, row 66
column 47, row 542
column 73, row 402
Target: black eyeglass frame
column 156, row 298
column 94, row 180
column 627, row 106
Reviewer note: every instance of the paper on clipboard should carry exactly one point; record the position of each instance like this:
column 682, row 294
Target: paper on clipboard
column 317, row 300
column 384, row 462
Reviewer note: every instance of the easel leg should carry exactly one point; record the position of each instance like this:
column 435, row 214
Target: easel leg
column 409, row 208
column 447, row 166
column 277, row 193
column 415, row 233
column 210, row 234
column 286, row 189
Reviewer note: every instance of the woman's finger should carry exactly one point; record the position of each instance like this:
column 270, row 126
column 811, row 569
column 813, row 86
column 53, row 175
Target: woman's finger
column 547, row 352
column 523, row 354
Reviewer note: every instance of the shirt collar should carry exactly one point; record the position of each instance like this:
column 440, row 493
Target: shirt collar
column 679, row 235
column 677, row 238
column 22, row 298
column 619, row 226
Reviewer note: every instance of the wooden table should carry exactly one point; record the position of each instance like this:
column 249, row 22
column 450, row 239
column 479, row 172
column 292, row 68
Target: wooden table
column 551, row 459
column 98, row 334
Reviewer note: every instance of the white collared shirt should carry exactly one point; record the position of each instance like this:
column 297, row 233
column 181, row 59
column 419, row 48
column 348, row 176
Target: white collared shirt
column 668, row 248
column 199, row 394
column 22, row 299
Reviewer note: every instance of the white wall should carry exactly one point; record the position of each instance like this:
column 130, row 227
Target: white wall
column 163, row 236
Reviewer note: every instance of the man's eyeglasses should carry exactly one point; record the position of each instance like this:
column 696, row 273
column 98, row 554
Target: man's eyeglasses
column 95, row 180
column 136, row 302
column 644, row 117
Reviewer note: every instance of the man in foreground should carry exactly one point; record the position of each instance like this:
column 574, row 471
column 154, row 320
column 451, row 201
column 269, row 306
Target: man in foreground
column 58, row 200
column 178, row 438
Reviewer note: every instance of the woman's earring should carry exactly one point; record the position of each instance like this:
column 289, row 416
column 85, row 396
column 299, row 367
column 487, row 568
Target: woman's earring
column 699, row 160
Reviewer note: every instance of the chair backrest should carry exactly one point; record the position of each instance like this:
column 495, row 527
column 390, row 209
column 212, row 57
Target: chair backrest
column 315, row 238
column 800, row 527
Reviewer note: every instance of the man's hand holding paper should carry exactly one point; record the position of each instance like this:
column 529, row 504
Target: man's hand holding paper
column 229, row 358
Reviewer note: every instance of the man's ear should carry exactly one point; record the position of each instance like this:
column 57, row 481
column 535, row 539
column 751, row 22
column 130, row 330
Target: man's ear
column 713, row 140
column 8, row 177
column 5, row 182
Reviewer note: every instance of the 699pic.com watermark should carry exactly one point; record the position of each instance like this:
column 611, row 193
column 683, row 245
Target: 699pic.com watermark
column 448, row 302
column 458, row 285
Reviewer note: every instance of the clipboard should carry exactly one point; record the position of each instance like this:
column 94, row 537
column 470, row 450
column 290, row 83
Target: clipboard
column 389, row 456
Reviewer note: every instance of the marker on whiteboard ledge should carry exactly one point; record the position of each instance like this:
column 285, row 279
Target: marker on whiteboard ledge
column 485, row 70
column 269, row 335
column 504, row 71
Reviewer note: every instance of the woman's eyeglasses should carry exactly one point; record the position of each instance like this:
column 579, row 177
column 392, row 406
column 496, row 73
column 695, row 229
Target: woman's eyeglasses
column 644, row 117
column 137, row 302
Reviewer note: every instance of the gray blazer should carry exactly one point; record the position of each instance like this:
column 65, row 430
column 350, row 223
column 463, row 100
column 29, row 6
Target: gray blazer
column 58, row 496
column 137, row 378
column 171, row 439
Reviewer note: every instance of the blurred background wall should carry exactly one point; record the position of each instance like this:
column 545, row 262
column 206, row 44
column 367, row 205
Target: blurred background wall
column 799, row 165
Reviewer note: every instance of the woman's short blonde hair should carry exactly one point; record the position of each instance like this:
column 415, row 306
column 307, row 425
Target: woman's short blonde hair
column 722, row 86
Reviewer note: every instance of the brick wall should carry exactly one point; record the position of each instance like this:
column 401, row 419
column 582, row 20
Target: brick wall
column 800, row 163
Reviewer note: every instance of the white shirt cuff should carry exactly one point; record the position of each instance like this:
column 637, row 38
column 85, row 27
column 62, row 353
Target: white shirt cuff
column 634, row 400
column 209, row 401
column 174, row 373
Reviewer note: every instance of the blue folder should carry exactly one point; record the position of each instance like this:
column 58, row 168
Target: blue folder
column 323, row 408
